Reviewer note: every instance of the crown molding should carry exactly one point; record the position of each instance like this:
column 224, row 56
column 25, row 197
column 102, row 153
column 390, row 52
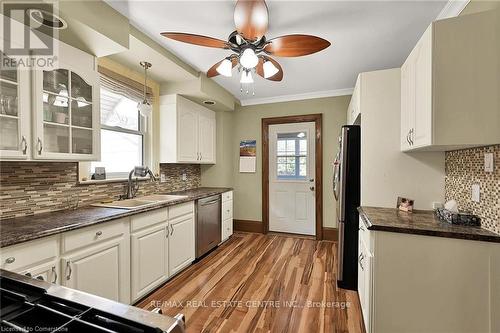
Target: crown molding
column 297, row 97
column 452, row 8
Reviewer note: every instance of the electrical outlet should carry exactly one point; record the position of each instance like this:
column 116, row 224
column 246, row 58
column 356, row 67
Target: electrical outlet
column 488, row 162
column 163, row 178
column 475, row 193
column 184, row 177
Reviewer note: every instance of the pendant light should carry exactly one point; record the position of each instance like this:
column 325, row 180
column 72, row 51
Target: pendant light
column 145, row 107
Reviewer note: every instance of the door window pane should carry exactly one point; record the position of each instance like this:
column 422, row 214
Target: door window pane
column 8, row 98
column 80, row 90
column 81, row 114
column 291, row 159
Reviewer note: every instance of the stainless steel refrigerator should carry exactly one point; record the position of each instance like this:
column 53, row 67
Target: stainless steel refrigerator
column 346, row 188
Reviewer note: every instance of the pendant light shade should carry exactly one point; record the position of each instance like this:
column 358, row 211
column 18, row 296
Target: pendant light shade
column 145, row 107
column 225, row 68
column 269, row 69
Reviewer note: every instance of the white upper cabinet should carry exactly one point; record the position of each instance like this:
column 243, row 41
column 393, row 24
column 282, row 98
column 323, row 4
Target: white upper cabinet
column 51, row 114
column 187, row 131
column 449, row 85
column 66, row 108
column 14, row 113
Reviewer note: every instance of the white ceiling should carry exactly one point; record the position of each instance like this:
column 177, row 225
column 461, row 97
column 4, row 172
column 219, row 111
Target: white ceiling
column 365, row 36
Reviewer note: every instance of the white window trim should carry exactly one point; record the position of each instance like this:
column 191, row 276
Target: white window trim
column 85, row 166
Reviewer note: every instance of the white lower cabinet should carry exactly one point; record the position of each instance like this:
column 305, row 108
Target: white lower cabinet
column 99, row 266
column 46, row 272
column 121, row 260
column 181, row 243
column 227, row 215
column 149, row 259
column 415, row 283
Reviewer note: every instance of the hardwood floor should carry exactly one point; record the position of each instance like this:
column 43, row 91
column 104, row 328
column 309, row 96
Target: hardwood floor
column 262, row 283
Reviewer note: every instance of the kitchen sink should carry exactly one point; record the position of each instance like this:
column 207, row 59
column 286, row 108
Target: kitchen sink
column 127, row 204
column 141, row 202
column 163, row 197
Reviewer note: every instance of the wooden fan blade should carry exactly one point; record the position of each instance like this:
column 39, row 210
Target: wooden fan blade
column 260, row 68
column 196, row 39
column 213, row 70
column 251, row 19
column 295, row 45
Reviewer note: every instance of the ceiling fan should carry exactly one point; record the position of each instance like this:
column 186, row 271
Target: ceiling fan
column 251, row 47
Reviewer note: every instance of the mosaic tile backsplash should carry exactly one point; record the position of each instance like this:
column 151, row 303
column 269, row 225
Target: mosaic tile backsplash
column 28, row 188
column 466, row 167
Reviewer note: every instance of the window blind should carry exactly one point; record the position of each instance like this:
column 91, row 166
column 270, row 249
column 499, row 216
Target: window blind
column 124, row 86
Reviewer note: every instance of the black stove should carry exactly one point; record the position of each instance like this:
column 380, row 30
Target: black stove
column 27, row 308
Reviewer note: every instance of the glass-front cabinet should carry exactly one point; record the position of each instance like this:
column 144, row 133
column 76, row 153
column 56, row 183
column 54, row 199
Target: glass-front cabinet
column 14, row 113
column 67, row 115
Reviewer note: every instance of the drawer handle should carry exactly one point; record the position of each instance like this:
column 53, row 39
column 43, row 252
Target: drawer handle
column 24, row 144
column 171, row 230
column 10, row 260
column 54, row 273
column 68, row 270
column 361, row 257
column 99, row 233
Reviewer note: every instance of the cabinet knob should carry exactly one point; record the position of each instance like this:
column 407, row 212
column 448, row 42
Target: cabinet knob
column 99, row 233
column 27, row 274
column 10, row 260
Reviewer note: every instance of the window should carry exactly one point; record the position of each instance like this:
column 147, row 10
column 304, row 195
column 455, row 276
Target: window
column 291, row 160
column 124, row 136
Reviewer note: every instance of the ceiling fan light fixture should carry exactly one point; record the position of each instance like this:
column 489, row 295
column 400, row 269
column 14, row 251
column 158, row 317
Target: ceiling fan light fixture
column 246, row 77
column 269, row 69
column 225, row 68
column 248, row 58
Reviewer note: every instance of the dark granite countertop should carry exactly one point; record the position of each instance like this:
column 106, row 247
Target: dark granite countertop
column 23, row 229
column 421, row 222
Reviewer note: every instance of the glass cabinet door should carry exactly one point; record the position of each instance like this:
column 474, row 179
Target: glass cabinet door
column 67, row 113
column 13, row 143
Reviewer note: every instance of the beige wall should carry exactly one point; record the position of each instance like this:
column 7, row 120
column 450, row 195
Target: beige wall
column 221, row 174
column 246, row 124
column 476, row 6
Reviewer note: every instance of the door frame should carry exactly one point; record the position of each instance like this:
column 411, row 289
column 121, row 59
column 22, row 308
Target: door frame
column 318, row 184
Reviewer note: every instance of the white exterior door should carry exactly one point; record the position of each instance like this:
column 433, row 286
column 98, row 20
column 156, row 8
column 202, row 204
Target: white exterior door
column 291, row 178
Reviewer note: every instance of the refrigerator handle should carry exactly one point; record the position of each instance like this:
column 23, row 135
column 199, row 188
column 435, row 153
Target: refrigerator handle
column 343, row 173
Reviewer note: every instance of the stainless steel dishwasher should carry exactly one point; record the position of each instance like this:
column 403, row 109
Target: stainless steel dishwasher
column 208, row 224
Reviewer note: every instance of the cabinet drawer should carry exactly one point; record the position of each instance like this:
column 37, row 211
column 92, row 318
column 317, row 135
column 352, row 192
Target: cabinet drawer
column 17, row 257
column 226, row 196
column 227, row 210
column 147, row 219
column 179, row 210
column 92, row 235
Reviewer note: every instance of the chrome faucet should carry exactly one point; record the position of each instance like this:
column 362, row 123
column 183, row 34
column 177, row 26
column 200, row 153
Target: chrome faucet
column 138, row 171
